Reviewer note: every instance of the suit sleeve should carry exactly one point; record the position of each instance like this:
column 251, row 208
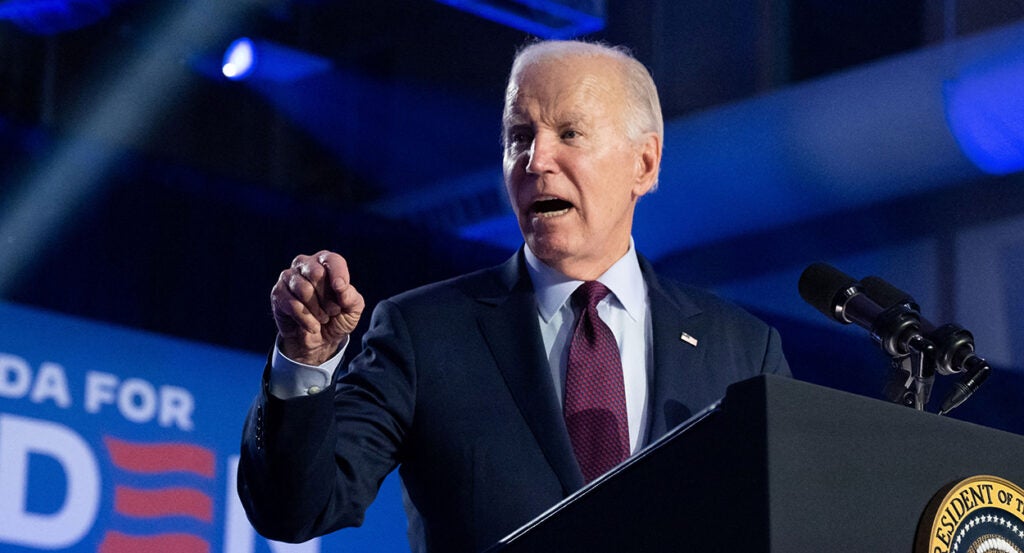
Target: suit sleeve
column 774, row 359
column 311, row 465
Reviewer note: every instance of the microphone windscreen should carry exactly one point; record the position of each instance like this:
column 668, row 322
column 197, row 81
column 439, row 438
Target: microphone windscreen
column 820, row 285
column 885, row 294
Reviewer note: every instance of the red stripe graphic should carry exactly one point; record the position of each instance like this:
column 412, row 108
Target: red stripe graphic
column 167, row 502
column 163, row 457
column 116, row 542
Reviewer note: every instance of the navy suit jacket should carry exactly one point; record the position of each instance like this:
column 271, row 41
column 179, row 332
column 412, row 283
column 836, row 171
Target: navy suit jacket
column 452, row 386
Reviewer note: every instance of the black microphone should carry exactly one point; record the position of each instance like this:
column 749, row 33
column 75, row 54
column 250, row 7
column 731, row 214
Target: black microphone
column 966, row 387
column 896, row 328
column 954, row 345
column 887, row 295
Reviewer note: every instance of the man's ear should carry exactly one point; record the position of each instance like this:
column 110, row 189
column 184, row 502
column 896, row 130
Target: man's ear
column 648, row 164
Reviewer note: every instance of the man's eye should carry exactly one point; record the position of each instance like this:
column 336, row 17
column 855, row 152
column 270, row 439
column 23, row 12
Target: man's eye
column 570, row 134
column 518, row 138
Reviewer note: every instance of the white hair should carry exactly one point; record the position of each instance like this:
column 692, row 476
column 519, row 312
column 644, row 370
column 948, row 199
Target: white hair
column 643, row 109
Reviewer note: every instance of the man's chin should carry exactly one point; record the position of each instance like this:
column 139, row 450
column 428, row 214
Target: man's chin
column 547, row 250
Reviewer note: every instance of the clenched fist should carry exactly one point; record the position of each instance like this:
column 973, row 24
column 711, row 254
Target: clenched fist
column 315, row 307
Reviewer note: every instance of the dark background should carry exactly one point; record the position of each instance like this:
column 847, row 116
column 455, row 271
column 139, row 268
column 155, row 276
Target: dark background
column 140, row 187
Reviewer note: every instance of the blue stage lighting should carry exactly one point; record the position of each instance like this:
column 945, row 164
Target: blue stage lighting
column 247, row 59
column 239, row 59
column 50, row 17
column 985, row 112
column 117, row 117
column 558, row 19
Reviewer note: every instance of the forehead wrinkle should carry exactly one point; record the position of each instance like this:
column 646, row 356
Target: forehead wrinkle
column 575, row 106
column 537, row 96
column 602, row 96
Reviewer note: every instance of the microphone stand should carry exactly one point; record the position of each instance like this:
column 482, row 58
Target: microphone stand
column 915, row 360
column 911, row 380
column 897, row 330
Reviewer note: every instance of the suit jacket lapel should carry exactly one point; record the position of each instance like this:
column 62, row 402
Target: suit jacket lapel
column 512, row 333
column 510, row 329
column 672, row 314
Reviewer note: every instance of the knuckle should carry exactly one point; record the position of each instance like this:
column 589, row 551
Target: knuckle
column 311, row 271
column 295, row 281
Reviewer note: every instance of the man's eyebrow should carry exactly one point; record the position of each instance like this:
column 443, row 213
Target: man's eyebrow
column 508, row 125
column 513, row 119
column 568, row 118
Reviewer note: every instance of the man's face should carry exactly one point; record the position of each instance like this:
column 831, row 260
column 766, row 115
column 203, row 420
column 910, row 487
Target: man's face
column 571, row 172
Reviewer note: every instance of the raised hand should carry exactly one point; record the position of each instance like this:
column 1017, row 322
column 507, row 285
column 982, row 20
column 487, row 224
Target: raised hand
column 315, row 307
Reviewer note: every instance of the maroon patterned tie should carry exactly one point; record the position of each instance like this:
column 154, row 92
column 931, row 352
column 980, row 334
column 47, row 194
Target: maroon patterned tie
column 595, row 399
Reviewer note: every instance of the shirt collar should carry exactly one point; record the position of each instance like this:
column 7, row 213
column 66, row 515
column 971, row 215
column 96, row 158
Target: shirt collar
column 553, row 289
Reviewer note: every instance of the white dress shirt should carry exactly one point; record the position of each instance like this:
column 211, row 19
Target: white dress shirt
column 625, row 310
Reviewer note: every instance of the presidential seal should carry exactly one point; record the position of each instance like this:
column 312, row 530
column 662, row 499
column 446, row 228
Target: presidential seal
column 980, row 514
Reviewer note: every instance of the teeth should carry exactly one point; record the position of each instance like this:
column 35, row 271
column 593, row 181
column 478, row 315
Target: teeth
column 547, row 214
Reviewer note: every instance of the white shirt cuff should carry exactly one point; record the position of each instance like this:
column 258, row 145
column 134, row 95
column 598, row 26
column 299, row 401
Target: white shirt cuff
column 290, row 379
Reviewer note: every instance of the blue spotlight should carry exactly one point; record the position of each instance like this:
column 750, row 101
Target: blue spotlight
column 239, row 59
column 985, row 112
column 247, row 59
column 114, row 119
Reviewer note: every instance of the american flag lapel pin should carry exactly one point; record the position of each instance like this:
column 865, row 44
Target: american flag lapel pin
column 688, row 339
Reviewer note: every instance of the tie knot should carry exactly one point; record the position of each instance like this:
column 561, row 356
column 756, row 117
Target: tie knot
column 590, row 293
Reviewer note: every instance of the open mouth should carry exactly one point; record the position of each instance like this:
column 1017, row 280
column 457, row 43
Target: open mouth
column 550, row 207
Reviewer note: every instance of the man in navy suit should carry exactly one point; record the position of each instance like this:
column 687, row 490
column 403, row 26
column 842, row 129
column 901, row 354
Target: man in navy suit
column 461, row 383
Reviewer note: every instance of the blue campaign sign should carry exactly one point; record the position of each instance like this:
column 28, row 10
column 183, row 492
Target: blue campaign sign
column 116, row 441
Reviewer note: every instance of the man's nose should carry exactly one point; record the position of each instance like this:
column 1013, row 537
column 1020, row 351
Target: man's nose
column 542, row 152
